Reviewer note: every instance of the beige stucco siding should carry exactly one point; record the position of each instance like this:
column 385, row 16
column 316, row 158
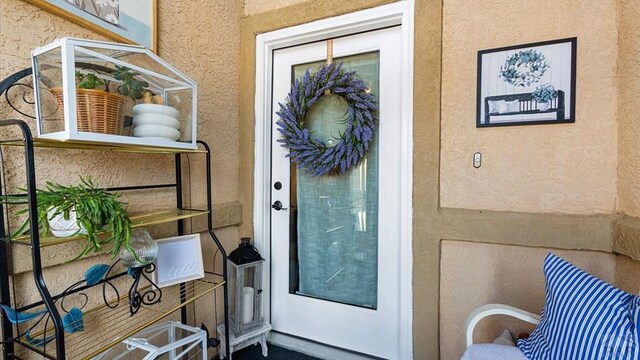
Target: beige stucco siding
column 628, row 104
column 569, row 168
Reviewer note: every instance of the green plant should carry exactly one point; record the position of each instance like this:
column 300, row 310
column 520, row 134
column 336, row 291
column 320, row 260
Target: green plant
column 544, row 93
column 88, row 81
column 131, row 86
column 96, row 209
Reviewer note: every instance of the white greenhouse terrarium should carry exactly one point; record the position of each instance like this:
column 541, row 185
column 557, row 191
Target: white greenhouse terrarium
column 102, row 92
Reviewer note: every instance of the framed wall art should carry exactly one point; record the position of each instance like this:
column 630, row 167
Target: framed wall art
column 125, row 21
column 179, row 260
column 527, row 84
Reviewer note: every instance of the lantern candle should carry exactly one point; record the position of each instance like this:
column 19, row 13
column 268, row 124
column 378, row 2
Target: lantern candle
column 245, row 268
column 247, row 304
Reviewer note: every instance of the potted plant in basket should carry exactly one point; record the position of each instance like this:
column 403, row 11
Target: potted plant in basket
column 543, row 96
column 80, row 209
column 97, row 109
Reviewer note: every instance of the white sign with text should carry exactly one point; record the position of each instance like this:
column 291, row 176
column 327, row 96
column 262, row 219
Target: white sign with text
column 179, row 260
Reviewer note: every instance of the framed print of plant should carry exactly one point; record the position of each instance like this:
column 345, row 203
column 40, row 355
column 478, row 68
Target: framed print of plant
column 527, row 84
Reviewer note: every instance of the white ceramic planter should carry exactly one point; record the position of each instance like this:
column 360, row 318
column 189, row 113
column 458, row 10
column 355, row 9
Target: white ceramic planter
column 154, row 121
column 543, row 106
column 61, row 227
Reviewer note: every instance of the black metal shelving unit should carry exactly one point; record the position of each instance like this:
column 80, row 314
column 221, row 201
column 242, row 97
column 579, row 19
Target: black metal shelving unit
column 187, row 292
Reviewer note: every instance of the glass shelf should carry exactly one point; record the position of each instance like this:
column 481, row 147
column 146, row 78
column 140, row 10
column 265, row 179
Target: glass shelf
column 106, row 327
column 93, row 145
column 139, row 220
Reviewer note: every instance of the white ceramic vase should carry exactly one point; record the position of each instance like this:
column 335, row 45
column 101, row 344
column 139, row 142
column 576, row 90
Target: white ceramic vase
column 543, row 106
column 61, row 227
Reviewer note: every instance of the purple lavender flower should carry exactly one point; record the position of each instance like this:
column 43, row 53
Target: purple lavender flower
column 343, row 166
column 311, row 153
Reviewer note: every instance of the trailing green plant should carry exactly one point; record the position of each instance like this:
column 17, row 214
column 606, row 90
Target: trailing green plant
column 88, row 81
column 131, row 86
column 97, row 211
column 544, row 93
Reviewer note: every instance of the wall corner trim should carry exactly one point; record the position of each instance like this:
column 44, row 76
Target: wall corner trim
column 626, row 236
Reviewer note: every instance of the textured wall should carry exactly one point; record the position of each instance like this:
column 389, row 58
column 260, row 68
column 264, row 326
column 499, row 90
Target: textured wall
column 199, row 38
column 544, row 168
column 628, row 274
column 253, row 7
column 628, row 102
column 627, row 234
column 202, row 40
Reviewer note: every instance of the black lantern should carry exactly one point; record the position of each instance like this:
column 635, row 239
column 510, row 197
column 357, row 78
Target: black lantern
column 245, row 273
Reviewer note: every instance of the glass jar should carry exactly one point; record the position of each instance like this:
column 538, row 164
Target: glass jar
column 144, row 247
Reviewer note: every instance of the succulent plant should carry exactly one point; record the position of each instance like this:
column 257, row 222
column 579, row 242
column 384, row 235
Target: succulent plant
column 131, row 86
column 88, row 81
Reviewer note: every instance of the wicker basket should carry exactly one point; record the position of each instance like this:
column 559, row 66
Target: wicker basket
column 97, row 111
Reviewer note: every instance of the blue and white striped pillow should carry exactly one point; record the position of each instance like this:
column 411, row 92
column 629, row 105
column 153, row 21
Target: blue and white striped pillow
column 583, row 318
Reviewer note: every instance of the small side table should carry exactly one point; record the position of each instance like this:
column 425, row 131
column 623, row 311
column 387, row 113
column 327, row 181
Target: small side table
column 257, row 335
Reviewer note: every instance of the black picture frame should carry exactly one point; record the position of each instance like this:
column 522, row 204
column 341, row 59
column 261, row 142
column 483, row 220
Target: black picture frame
column 520, row 89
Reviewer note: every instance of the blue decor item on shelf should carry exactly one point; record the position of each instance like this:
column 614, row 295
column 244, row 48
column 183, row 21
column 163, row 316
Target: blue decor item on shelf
column 38, row 342
column 73, row 321
column 16, row 317
column 96, row 273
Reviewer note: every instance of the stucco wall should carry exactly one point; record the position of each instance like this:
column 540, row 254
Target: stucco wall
column 628, row 102
column 199, row 38
column 627, row 234
column 253, row 7
column 544, row 168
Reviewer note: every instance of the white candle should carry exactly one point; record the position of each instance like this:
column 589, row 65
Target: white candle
column 247, row 304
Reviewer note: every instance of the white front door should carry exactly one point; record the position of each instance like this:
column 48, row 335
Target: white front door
column 335, row 248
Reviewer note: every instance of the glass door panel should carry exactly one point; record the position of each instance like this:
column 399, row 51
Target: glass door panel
column 333, row 243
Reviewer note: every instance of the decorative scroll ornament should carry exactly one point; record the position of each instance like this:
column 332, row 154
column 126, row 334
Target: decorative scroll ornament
column 73, row 319
column 312, row 154
column 524, row 68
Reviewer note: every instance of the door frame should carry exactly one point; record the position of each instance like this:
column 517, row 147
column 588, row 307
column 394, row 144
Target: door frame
column 399, row 13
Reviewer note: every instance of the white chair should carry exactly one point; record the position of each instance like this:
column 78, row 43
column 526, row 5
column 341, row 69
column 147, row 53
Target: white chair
column 495, row 309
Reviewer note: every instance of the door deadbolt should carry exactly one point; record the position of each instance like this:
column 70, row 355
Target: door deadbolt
column 277, row 205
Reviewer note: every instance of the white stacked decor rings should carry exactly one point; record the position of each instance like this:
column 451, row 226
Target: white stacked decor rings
column 156, row 109
column 153, row 119
column 156, row 121
column 156, row 131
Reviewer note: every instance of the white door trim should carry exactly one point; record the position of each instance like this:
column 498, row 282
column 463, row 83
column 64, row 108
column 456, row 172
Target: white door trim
column 398, row 13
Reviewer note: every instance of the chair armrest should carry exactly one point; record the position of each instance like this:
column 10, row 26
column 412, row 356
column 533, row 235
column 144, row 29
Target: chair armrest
column 495, row 309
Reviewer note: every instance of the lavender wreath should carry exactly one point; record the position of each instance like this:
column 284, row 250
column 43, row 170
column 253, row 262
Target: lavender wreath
column 312, row 154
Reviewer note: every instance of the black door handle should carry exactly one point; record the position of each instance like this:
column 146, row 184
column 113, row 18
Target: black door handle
column 277, row 205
